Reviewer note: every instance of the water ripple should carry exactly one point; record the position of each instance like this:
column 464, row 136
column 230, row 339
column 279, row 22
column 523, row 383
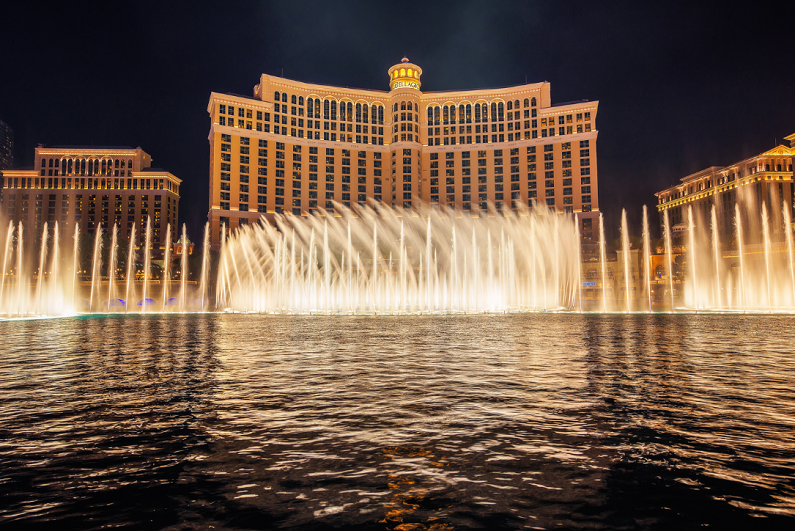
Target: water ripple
column 248, row 421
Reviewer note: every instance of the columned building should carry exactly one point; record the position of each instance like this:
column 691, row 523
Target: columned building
column 93, row 188
column 766, row 178
column 292, row 148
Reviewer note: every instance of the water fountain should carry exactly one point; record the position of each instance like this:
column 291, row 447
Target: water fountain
column 383, row 261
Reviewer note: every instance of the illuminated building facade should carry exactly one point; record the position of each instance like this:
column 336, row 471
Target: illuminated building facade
column 6, row 146
column 296, row 147
column 764, row 178
column 92, row 187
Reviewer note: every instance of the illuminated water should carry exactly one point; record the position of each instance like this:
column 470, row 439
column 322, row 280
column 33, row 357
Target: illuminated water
column 398, row 422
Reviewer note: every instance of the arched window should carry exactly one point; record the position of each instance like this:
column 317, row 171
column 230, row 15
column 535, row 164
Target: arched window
column 533, row 102
column 469, row 113
column 129, row 163
column 500, row 112
column 494, row 112
column 300, row 100
column 527, row 102
column 43, row 163
column 310, row 108
column 63, row 166
column 461, row 113
column 430, row 115
column 767, row 167
column 342, row 111
column 446, row 114
column 358, row 113
column 452, row 114
column 364, row 113
column 326, row 104
column 117, row 163
column 516, row 104
column 380, row 116
column 395, row 107
column 293, row 99
column 477, row 113
column 334, row 109
column 416, row 108
column 402, row 105
column 91, row 167
column 284, row 97
column 277, row 96
column 350, row 111
column 510, row 105
column 778, row 167
column 82, row 166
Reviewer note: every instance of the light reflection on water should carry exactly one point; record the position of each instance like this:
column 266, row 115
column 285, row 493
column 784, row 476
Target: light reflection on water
column 248, row 421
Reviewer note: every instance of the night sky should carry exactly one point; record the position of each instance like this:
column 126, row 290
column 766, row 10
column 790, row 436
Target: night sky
column 680, row 87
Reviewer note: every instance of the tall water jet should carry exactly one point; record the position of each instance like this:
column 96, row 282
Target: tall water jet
column 766, row 236
column 96, row 262
column 205, row 262
column 647, row 253
column 668, row 251
column 625, row 247
column 603, row 259
column 42, row 258
column 55, row 295
column 579, row 263
column 692, row 253
column 112, row 262
column 147, row 261
column 183, row 276
column 166, row 264
column 788, row 231
column 9, row 239
column 716, row 252
column 20, row 302
column 130, row 270
column 75, row 262
column 738, row 227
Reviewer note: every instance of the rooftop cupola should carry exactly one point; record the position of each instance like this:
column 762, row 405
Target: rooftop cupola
column 405, row 75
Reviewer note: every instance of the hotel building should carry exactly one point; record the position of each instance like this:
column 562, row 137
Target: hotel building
column 93, row 188
column 764, row 178
column 6, row 146
column 291, row 148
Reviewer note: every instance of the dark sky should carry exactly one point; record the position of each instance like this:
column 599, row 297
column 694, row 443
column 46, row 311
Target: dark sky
column 680, row 86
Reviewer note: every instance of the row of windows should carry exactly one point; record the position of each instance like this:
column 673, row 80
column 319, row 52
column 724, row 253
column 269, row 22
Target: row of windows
column 91, row 183
column 84, row 166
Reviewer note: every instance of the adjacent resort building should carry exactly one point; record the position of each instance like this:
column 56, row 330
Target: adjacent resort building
column 764, row 178
column 292, row 147
column 91, row 187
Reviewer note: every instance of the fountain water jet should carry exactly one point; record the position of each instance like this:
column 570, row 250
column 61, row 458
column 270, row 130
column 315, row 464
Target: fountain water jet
column 716, row 252
column 147, row 261
column 183, row 276
column 668, row 260
column 95, row 265
column 647, row 253
column 9, row 239
column 603, row 258
column 112, row 262
column 166, row 264
column 625, row 247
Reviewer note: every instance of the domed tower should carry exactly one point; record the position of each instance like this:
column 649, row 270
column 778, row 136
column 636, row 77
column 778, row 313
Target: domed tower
column 404, row 95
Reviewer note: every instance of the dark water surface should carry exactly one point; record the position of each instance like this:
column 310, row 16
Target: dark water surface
column 518, row 421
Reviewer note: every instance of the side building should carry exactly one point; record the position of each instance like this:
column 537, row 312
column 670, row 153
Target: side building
column 92, row 188
column 292, row 148
column 6, row 146
column 766, row 178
